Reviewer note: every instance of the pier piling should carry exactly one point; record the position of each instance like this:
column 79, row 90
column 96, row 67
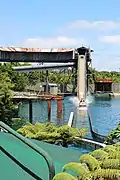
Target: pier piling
column 30, row 111
column 49, row 109
column 59, row 109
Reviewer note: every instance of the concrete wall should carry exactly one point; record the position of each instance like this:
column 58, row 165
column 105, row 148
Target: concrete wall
column 91, row 88
column 69, row 87
column 116, row 87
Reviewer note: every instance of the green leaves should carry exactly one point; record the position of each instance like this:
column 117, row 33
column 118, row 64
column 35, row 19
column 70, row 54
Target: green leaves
column 111, row 164
column 49, row 133
column 115, row 133
column 109, row 174
column 91, row 162
column 64, row 176
column 101, row 164
column 78, row 169
column 99, row 154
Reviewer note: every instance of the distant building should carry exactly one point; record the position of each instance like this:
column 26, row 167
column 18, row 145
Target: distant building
column 35, row 88
column 103, row 85
column 41, row 88
column 52, row 88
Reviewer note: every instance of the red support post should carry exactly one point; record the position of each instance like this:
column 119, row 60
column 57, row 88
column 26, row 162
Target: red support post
column 59, row 109
column 49, row 109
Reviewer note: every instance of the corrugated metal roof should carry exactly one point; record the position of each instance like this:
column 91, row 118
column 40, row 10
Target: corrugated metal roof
column 104, row 80
column 20, row 49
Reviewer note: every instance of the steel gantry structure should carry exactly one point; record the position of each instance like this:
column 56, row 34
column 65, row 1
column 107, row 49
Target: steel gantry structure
column 80, row 58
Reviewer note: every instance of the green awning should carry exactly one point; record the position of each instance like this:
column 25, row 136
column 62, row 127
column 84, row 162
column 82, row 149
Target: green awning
column 11, row 170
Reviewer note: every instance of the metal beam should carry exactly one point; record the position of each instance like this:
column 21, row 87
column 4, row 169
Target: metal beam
column 42, row 67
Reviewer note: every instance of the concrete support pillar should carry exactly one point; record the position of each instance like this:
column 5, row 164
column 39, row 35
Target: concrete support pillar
column 81, row 80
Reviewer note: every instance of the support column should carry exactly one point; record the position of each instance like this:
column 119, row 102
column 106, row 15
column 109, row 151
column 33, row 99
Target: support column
column 49, row 109
column 75, row 79
column 63, row 84
column 47, row 82
column 59, row 109
column 81, row 82
column 30, row 111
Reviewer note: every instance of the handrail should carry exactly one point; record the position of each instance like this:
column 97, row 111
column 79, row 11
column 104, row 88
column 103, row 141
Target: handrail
column 34, row 147
column 20, row 164
column 101, row 137
column 91, row 141
column 71, row 118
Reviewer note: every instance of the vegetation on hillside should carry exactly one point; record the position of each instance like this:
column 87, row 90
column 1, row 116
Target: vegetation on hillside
column 47, row 132
column 114, row 75
column 24, row 79
column 21, row 80
column 101, row 164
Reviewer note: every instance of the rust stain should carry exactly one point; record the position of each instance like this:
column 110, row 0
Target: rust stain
column 20, row 49
column 104, row 80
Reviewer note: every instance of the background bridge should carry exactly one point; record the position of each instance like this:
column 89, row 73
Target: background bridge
column 80, row 57
column 58, row 55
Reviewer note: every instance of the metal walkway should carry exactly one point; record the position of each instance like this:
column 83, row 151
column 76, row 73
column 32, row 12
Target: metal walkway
column 43, row 67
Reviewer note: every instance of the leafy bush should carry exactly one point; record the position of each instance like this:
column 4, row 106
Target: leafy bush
column 64, row 176
column 78, row 169
column 47, row 132
column 17, row 123
column 99, row 154
column 102, row 164
column 114, row 134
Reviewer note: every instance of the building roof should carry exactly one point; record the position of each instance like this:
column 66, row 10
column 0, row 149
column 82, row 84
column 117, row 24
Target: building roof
column 104, row 80
column 21, row 49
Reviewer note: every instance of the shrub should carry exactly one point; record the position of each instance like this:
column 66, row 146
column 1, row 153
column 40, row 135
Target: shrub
column 102, row 164
column 47, row 132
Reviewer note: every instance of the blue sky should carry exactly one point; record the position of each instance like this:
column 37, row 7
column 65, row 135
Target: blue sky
column 52, row 23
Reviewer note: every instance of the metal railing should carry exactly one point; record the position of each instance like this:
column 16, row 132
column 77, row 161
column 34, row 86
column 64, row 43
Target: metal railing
column 101, row 138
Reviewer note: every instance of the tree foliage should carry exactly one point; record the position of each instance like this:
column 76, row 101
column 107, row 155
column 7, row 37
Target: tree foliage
column 100, row 164
column 19, row 80
column 6, row 104
column 25, row 79
column 47, row 132
column 114, row 75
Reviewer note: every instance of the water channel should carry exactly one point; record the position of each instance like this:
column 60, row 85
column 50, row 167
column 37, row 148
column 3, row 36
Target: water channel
column 105, row 113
